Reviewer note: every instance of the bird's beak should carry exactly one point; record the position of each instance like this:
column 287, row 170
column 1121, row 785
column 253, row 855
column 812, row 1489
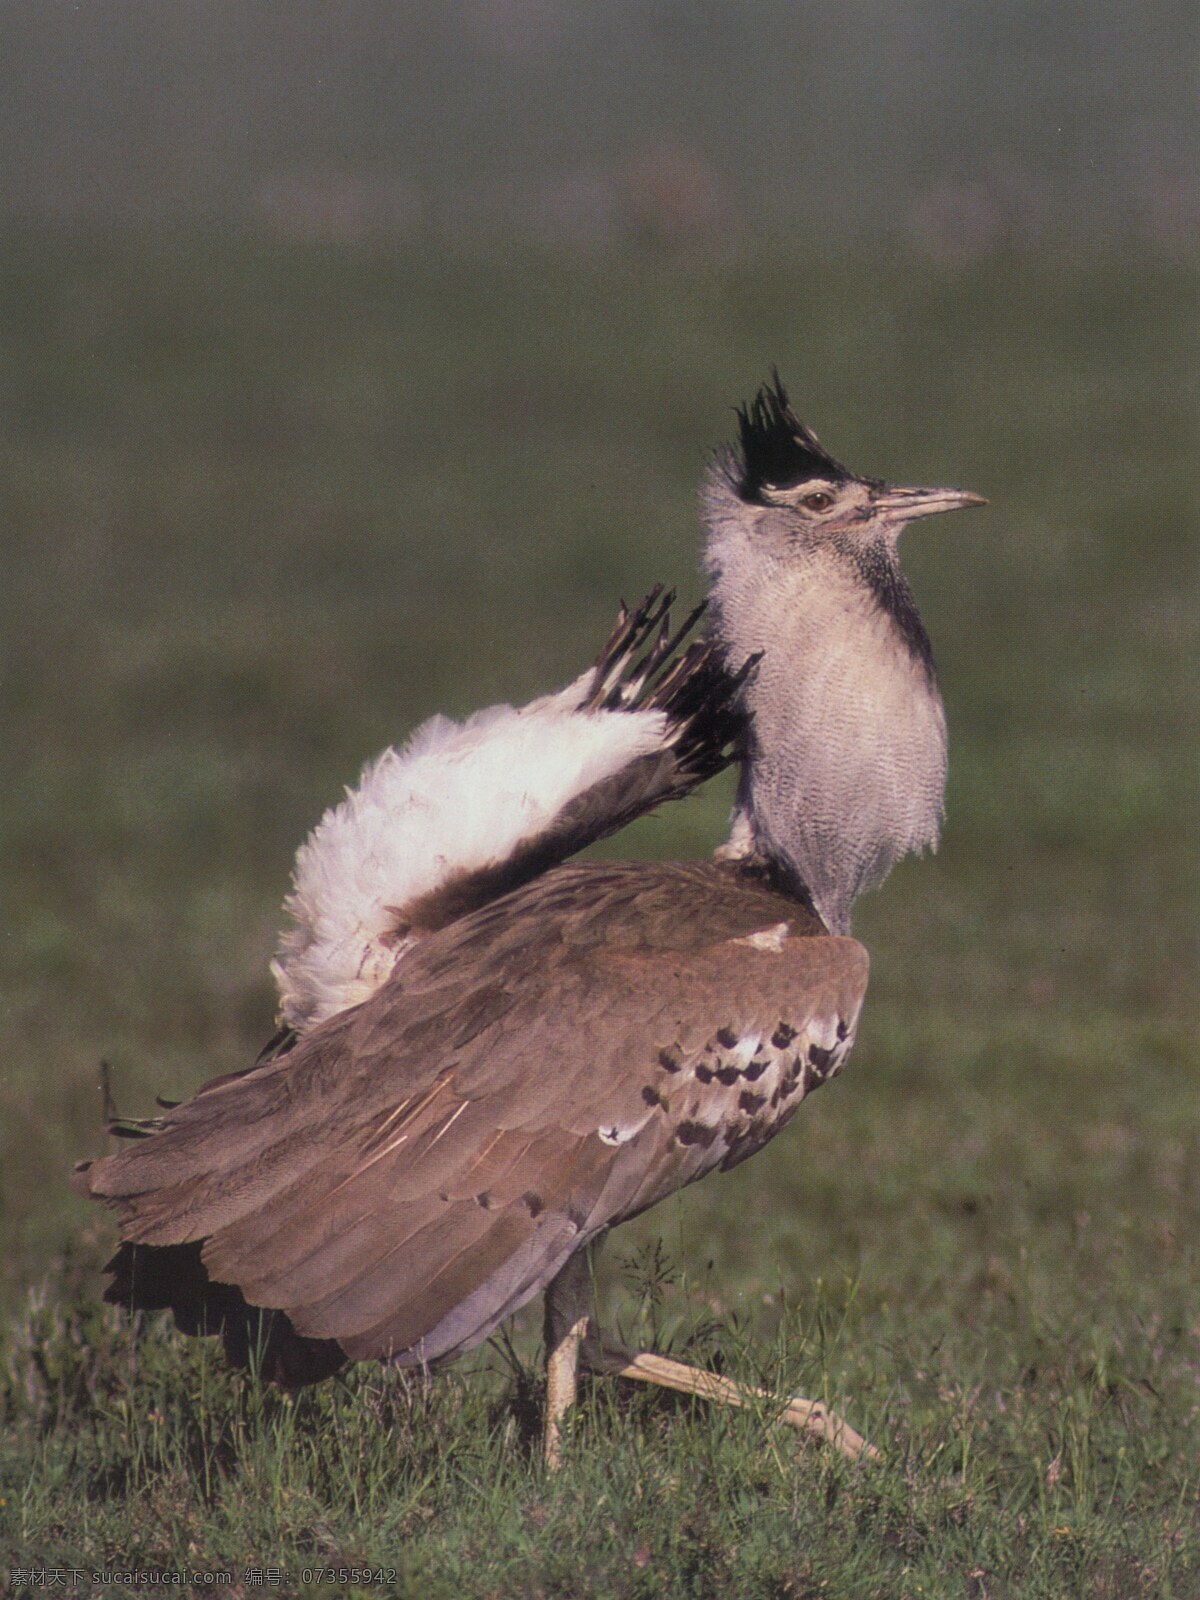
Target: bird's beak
column 906, row 504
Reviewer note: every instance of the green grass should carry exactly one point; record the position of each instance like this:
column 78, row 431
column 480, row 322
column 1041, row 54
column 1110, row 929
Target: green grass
column 264, row 507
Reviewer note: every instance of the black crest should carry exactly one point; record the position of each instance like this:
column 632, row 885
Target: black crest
column 775, row 446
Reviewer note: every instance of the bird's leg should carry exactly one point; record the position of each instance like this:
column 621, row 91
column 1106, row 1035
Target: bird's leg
column 568, row 1305
column 568, row 1310
column 645, row 1367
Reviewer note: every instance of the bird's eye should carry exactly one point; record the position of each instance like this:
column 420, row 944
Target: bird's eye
column 818, row 500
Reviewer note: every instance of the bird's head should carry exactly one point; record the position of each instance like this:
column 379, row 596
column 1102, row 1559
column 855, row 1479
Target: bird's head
column 778, row 495
column 845, row 761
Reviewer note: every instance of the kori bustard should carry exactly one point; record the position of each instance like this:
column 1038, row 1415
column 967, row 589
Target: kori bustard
column 489, row 1054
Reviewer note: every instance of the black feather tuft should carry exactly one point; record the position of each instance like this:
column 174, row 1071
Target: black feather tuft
column 776, row 448
column 174, row 1278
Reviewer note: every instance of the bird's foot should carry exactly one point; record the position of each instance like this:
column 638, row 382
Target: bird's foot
column 810, row 1416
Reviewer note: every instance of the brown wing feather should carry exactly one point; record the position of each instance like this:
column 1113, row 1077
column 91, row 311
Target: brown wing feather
column 414, row 1169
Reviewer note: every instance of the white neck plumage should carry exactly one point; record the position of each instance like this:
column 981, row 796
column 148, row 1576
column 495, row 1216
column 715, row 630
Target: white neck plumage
column 846, row 759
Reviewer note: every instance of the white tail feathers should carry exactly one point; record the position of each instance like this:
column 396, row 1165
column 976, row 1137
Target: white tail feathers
column 458, row 798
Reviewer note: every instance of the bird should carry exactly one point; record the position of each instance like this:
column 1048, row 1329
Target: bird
column 490, row 1053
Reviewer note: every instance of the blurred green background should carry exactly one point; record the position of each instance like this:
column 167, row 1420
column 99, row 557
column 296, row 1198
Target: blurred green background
column 354, row 361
